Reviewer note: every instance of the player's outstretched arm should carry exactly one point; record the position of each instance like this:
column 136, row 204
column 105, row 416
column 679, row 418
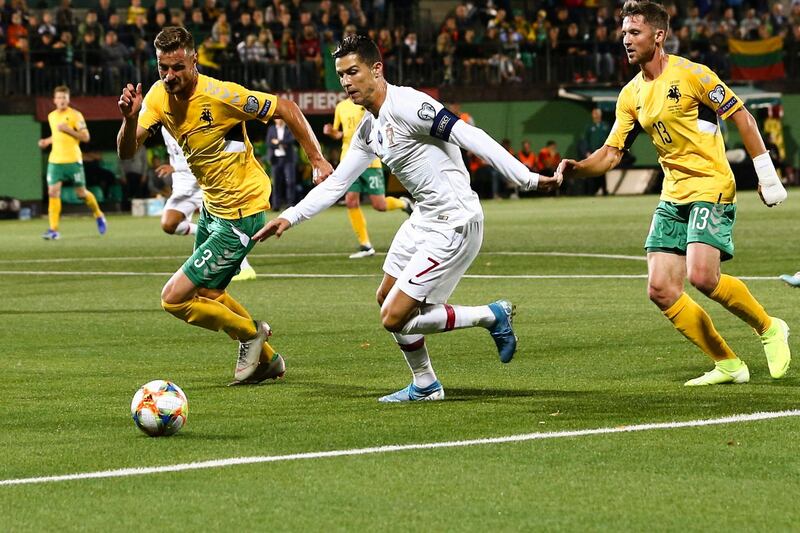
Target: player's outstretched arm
column 601, row 161
column 770, row 188
column 275, row 227
column 328, row 130
column 290, row 112
column 130, row 135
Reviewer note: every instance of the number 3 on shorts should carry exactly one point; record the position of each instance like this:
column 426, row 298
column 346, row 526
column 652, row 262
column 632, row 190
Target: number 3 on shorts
column 199, row 262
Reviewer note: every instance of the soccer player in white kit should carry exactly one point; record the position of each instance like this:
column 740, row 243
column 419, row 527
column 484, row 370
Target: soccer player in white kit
column 186, row 198
column 419, row 140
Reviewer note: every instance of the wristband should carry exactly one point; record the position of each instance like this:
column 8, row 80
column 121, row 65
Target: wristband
column 765, row 170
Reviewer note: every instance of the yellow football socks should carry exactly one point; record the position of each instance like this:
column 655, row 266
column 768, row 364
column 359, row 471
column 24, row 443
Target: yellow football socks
column 213, row 315
column 695, row 324
column 54, row 212
column 267, row 352
column 91, row 202
column 733, row 295
column 393, row 203
column 359, row 223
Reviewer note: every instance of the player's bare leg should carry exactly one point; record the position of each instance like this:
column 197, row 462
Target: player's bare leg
column 175, row 222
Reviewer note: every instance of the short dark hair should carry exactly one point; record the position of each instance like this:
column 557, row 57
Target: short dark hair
column 652, row 13
column 361, row 45
column 172, row 38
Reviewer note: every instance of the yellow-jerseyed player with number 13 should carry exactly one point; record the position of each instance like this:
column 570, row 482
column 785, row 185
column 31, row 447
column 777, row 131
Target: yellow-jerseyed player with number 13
column 207, row 118
column 678, row 104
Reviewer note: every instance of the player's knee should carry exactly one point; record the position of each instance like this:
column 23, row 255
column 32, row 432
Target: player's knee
column 351, row 202
column 704, row 280
column 391, row 323
column 169, row 226
column 662, row 295
column 379, row 205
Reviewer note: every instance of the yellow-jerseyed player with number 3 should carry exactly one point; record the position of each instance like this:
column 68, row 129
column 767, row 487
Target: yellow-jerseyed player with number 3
column 207, row 118
column 678, row 104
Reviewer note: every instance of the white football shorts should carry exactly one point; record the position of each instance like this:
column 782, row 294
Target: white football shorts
column 428, row 263
column 185, row 200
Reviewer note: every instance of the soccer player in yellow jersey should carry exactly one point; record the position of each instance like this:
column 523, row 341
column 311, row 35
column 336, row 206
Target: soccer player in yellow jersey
column 346, row 119
column 678, row 103
column 207, row 117
column 65, row 164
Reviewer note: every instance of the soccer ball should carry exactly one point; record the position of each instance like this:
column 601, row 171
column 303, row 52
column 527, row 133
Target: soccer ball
column 159, row 408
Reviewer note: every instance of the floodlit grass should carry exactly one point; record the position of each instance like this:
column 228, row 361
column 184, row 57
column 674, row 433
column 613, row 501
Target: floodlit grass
column 594, row 352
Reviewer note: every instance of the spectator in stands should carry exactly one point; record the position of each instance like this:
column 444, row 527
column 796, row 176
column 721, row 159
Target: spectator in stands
column 730, row 21
column 197, row 25
column 46, row 25
column 134, row 10
column 415, row 59
column 89, row 62
column 748, row 26
column 603, row 56
column 159, row 6
column 243, row 27
column 528, row 156
column 91, row 24
column 778, row 19
column 115, row 58
column 210, row 11
column 188, row 7
column 16, row 30
column 234, row 10
column 472, row 62
column 104, row 11
column 221, row 27
column 65, row 17
column 549, row 158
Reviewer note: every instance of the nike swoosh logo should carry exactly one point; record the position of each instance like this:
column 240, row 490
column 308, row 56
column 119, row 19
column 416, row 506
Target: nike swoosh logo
column 411, row 281
column 369, row 141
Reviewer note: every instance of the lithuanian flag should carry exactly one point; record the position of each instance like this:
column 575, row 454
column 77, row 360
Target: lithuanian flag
column 757, row 60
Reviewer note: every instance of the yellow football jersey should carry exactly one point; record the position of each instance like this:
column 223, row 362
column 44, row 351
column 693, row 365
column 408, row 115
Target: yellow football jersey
column 679, row 110
column 348, row 116
column 210, row 128
column 65, row 147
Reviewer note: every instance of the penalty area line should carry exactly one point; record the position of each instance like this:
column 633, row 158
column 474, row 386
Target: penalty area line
column 233, row 461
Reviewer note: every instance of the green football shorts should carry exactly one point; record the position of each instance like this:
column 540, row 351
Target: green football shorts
column 219, row 248
column 676, row 225
column 67, row 173
column 369, row 182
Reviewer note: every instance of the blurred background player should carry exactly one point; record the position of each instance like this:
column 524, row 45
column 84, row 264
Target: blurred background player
column 65, row 164
column 235, row 188
column 678, row 102
column 346, row 119
column 186, row 199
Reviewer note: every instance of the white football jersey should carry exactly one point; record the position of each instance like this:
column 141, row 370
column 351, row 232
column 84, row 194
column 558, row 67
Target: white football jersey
column 182, row 178
column 419, row 140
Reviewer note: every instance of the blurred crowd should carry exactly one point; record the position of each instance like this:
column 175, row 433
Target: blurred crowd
column 280, row 44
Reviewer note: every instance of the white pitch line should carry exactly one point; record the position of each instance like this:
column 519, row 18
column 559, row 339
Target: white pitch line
column 310, row 254
column 354, row 276
column 233, row 461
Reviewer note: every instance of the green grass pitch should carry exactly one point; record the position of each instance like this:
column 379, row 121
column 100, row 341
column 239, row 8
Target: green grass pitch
column 82, row 329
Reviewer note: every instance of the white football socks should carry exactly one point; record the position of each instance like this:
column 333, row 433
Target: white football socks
column 185, row 227
column 416, row 353
column 444, row 317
